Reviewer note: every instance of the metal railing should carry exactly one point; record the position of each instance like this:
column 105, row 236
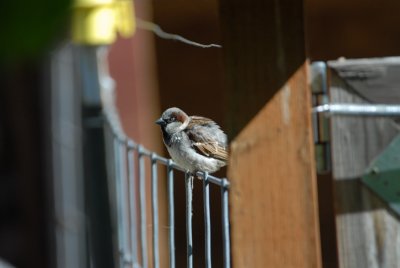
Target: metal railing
column 126, row 160
column 128, row 156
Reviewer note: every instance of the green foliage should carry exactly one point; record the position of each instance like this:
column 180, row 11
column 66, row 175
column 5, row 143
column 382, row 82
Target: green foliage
column 29, row 27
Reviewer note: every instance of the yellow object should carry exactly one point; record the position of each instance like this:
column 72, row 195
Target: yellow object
column 96, row 22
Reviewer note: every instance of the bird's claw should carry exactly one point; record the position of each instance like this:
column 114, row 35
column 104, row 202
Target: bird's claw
column 188, row 174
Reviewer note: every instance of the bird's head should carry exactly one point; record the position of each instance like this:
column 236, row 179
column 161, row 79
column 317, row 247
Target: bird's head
column 173, row 120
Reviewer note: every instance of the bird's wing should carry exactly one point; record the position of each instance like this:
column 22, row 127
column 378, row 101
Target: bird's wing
column 207, row 138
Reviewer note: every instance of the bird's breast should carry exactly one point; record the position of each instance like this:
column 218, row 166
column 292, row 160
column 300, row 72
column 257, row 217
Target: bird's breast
column 167, row 138
column 176, row 139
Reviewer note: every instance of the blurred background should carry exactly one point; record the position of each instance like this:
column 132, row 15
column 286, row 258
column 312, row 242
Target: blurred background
column 151, row 74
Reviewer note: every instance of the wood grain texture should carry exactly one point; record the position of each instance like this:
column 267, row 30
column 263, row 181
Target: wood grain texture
column 368, row 234
column 273, row 194
column 263, row 43
column 376, row 80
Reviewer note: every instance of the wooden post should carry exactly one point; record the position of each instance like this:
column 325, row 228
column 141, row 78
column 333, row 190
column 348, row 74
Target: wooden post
column 367, row 233
column 273, row 195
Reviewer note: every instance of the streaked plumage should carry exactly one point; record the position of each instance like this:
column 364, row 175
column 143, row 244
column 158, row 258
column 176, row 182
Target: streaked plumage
column 195, row 143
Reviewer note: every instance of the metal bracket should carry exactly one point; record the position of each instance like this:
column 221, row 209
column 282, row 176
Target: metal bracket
column 383, row 175
column 321, row 127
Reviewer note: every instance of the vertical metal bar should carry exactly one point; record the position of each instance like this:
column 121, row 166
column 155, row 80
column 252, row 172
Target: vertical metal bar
column 207, row 220
column 118, row 202
column 171, row 214
column 154, row 206
column 124, row 202
column 189, row 209
column 142, row 201
column 133, row 209
column 225, row 224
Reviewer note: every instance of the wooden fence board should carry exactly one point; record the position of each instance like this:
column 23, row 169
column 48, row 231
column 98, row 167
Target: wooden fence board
column 274, row 212
column 368, row 234
column 274, row 199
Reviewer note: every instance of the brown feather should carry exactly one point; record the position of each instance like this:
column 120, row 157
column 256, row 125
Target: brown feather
column 203, row 142
column 199, row 120
column 212, row 150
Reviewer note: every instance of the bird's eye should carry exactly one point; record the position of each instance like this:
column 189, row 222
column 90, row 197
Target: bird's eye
column 171, row 119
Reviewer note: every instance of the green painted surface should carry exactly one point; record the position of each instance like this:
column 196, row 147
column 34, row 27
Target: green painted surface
column 383, row 175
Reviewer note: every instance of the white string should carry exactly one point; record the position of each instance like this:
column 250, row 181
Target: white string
column 150, row 26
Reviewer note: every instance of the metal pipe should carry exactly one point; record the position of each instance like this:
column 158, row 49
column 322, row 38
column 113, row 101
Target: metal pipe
column 124, row 202
column 225, row 225
column 154, row 208
column 189, row 209
column 118, row 204
column 171, row 214
column 358, row 109
column 133, row 208
column 207, row 220
column 142, row 204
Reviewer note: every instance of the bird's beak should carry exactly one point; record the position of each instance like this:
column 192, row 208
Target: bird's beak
column 160, row 122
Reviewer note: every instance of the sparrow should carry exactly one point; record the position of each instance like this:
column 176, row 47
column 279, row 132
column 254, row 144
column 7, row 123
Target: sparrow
column 195, row 143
